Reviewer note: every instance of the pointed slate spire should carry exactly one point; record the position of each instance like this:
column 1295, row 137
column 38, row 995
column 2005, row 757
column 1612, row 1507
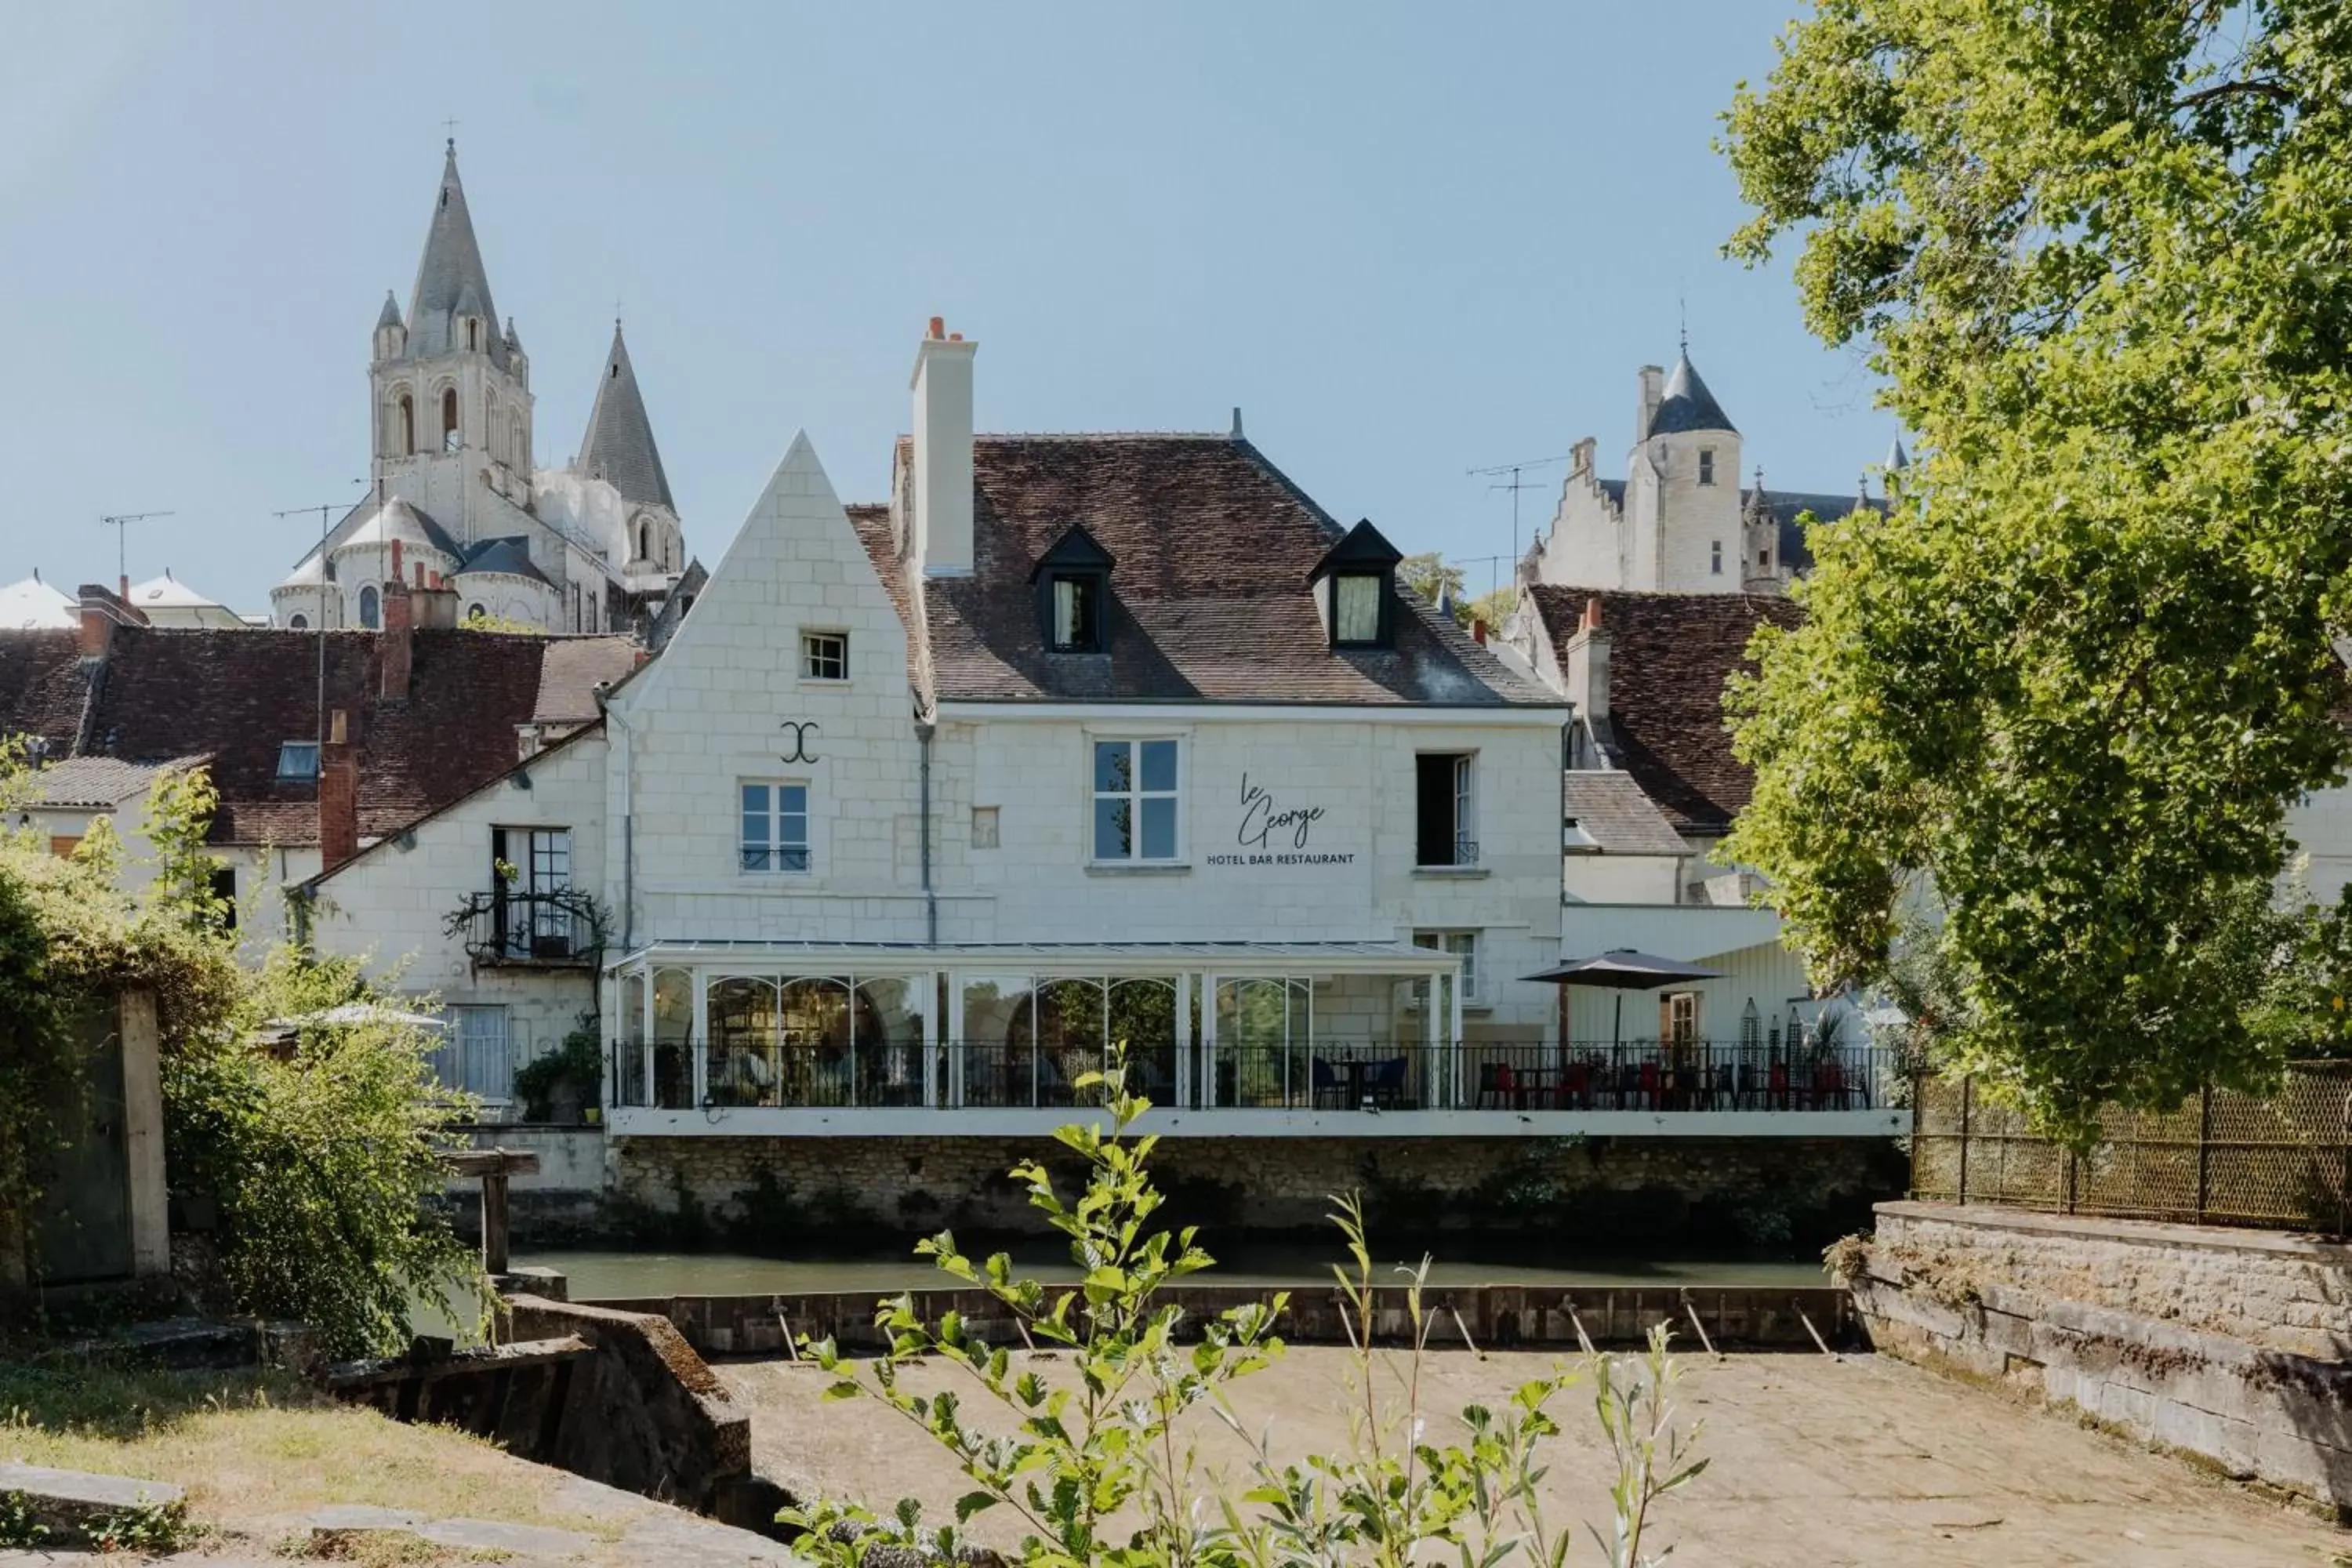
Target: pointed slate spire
column 1688, row 405
column 451, row 283
column 390, row 315
column 1897, row 459
column 619, row 446
column 514, row 341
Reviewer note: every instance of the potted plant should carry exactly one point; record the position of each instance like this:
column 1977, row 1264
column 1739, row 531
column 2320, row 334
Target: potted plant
column 566, row 1084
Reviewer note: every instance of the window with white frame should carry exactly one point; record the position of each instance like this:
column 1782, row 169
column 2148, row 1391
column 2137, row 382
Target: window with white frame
column 776, row 833
column 532, row 868
column 824, row 656
column 477, row 1053
column 1462, row 944
column 1135, row 793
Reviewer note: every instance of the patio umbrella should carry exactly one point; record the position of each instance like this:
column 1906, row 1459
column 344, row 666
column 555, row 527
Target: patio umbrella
column 352, row 1014
column 1621, row 969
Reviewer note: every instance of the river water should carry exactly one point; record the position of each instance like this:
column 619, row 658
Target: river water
column 619, row 1275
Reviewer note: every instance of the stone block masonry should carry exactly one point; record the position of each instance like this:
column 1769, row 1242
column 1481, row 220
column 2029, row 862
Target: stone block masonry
column 1596, row 1193
column 2227, row 1345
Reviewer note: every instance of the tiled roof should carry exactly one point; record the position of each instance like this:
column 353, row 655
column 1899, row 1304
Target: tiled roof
column 41, row 686
column 239, row 695
column 570, row 671
column 1209, row 599
column 1669, row 656
column 1612, row 809
column 98, row 783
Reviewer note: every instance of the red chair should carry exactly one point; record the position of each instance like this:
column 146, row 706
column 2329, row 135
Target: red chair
column 1776, row 1091
column 1650, row 1084
column 1575, row 1087
column 1830, row 1087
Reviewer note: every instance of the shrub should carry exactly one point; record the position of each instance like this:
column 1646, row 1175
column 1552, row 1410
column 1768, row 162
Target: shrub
column 1113, row 1437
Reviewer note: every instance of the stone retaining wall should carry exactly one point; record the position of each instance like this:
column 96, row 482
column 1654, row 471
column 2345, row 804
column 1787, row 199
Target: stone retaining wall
column 2230, row 1345
column 1593, row 1191
column 1489, row 1317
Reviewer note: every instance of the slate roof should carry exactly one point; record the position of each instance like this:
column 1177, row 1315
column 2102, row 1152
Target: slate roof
column 1785, row 506
column 405, row 520
column 1209, row 600
column 1611, row 808
column 451, row 281
column 619, row 446
column 1669, row 656
column 239, row 695
column 511, row 556
column 1687, row 404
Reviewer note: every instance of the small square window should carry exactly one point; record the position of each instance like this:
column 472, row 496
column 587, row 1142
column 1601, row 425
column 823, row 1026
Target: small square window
column 298, row 761
column 824, row 656
column 984, row 827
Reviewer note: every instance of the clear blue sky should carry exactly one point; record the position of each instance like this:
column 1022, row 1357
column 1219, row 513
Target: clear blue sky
column 1408, row 240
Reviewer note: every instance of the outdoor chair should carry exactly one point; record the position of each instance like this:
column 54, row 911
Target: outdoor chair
column 1324, row 1082
column 1575, row 1087
column 1497, row 1086
column 1384, row 1083
column 1649, row 1081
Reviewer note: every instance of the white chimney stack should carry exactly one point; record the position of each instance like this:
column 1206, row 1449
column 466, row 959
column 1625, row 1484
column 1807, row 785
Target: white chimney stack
column 1651, row 393
column 943, row 386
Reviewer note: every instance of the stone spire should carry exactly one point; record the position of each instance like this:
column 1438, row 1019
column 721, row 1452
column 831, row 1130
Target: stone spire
column 619, row 446
column 451, row 283
column 390, row 315
column 1897, row 459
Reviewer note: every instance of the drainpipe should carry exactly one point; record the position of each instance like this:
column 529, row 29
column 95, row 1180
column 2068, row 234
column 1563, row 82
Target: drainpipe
column 923, row 733
column 628, row 825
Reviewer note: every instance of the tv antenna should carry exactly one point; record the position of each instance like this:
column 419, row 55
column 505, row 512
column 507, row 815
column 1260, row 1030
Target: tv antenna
column 1515, row 484
column 326, row 510
column 120, row 522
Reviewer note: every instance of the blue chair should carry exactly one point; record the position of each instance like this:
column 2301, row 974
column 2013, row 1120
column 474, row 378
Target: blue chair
column 1323, row 1083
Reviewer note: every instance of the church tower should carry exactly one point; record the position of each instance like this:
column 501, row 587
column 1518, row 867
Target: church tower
column 452, row 386
column 619, row 449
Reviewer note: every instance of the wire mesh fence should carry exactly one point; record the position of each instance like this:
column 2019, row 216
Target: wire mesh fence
column 2281, row 1160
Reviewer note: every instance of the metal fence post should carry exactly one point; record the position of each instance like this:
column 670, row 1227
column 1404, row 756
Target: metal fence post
column 1967, row 1093
column 2204, row 1146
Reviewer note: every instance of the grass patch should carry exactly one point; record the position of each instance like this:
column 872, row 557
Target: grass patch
column 257, row 1451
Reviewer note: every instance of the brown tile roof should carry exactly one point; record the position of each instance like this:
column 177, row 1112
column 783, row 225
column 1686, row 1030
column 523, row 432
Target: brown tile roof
column 1209, row 599
column 1669, row 656
column 41, row 687
column 573, row 669
column 1612, row 808
column 239, row 695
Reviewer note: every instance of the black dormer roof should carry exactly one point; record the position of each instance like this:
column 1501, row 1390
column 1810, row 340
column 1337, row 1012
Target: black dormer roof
column 1364, row 549
column 1075, row 551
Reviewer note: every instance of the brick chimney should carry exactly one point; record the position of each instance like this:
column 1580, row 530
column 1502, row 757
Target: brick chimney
column 942, row 452
column 396, row 640
column 339, row 795
column 103, row 610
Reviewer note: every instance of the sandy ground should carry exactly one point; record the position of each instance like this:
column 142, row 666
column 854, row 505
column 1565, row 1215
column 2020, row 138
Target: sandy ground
column 1815, row 1464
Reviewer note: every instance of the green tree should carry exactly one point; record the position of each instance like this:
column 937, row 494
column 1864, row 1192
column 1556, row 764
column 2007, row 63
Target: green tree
column 1428, row 576
column 2060, row 697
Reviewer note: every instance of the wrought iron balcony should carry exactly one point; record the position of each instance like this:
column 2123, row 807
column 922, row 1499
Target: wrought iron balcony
column 562, row 928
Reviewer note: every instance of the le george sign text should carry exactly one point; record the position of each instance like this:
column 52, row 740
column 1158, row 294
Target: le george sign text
column 1272, row 833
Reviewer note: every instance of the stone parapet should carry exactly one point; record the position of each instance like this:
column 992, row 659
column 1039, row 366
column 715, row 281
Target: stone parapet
column 2227, row 1345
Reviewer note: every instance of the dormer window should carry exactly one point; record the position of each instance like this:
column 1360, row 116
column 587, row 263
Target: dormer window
column 1358, row 581
column 1073, row 582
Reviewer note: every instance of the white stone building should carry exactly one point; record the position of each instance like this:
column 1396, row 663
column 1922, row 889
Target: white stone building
column 1678, row 521
column 593, row 546
column 1077, row 740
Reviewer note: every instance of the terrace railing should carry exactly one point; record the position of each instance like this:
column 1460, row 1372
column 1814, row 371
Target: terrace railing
column 562, row 928
column 1360, row 1076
